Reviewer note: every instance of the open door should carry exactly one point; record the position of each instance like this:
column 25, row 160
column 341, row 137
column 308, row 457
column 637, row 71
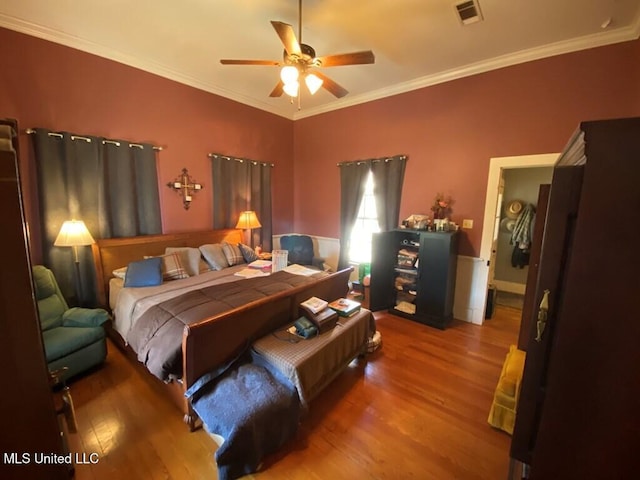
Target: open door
column 496, row 229
column 555, row 252
column 534, row 262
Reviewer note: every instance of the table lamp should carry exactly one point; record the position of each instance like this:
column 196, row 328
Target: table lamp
column 248, row 220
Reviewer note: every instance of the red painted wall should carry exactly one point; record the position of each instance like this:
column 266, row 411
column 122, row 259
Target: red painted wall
column 450, row 132
column 43, row 84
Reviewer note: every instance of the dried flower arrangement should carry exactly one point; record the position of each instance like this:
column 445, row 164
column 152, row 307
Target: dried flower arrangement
column 442, row 206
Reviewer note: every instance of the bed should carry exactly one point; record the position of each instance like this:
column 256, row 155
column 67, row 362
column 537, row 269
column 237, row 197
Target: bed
column 229, row 314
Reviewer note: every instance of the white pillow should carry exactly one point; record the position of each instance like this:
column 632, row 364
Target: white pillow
column 120, row 272
column 190, row 258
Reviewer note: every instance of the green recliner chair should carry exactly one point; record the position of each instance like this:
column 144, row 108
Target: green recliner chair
column 73, row 337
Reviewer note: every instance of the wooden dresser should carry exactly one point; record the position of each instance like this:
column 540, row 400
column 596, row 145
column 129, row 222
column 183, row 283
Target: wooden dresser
column 578, row 414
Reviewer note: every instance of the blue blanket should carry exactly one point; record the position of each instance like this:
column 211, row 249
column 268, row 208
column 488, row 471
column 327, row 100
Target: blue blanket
column 253, row 411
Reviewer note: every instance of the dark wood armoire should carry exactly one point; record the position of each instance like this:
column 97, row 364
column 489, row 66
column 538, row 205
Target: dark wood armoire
column 578, row 416
column 30, row 426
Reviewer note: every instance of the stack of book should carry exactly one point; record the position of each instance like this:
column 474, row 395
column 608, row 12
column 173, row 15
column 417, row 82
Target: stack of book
column 263, row 265
column 345, row 307
column 315, row 304
column 316, row 310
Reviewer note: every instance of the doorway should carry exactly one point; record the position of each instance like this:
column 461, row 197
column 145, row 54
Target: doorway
column 493, row 206
column 509, row 268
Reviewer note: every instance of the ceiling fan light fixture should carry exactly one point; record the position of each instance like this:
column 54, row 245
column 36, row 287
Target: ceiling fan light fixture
column 291, row 88
column 313, row 83
column 289, row 74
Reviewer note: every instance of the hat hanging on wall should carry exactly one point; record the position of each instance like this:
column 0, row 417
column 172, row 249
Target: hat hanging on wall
column 507, row 224
column 513, row 209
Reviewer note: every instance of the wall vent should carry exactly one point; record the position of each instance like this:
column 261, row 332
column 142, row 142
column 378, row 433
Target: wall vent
column 469, row 12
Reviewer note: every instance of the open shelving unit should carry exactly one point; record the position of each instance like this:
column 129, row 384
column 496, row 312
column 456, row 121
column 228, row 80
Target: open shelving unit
column 413, row 274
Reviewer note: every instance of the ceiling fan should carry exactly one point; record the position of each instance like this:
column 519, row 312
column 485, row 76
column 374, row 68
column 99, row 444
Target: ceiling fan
column 300, row 62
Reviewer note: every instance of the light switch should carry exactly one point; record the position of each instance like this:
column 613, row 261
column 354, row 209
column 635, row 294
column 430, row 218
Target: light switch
column 466, row 223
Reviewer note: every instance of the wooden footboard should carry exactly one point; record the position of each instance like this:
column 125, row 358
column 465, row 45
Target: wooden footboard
column 208, row 344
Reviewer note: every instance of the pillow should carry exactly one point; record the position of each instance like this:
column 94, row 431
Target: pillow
column 172, row 268
column 248, row 253
column 120, row 272
column 190, row 258
column 144, row 273
column 214, row 256
column 232, row 253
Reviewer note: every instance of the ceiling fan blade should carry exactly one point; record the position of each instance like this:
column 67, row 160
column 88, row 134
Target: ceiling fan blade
column 330, row 85
column 226, row 61
column 288, row 38
column 277, row 90
column 354, row 58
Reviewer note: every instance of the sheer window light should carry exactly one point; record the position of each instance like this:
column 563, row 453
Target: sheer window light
column 366, row 224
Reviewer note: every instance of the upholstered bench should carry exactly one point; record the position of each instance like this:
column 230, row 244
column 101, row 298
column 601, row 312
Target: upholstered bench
column 311, row 364
column 505, row 400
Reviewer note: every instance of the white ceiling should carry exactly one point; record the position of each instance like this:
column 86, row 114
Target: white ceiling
column 416, row 42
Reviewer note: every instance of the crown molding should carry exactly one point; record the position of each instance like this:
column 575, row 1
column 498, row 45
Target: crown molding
column 148, row 66
column 559, row 48
column 599, row 39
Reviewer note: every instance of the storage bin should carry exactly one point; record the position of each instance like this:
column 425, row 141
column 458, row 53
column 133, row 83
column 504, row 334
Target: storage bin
column 279, row 260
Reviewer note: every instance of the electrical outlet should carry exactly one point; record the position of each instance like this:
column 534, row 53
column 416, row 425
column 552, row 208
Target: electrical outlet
column 466, row 223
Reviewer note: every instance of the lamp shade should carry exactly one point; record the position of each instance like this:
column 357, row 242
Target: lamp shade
column 289, row 74
column 72, row 234
column 313, row 83
column 291, row 88
column 248, row 219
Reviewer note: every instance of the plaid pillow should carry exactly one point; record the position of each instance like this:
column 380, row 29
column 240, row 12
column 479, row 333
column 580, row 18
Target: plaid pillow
column 232, row 253
column 189, row 257
column 172, row 268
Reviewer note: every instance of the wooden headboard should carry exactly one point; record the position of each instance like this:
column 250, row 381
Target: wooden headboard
column 112, row 253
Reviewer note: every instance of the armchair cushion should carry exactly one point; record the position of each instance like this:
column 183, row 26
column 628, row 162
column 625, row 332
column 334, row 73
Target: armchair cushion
column 60, row 342
column 84, row 317
column 300, row 248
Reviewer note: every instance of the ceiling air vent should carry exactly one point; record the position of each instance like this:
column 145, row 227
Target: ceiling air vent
column 469, row 12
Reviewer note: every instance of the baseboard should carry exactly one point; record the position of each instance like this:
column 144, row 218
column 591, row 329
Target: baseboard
column 510, row 287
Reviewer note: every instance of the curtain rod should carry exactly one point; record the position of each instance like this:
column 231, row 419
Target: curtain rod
column 30, row 131
column 226, row 157
column 373, row 160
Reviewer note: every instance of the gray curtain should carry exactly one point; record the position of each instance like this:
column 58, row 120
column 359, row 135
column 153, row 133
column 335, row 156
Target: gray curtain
column 113, row 189
column 388, row 176
column 238, row 185
column 353, row 179
column 132, row 203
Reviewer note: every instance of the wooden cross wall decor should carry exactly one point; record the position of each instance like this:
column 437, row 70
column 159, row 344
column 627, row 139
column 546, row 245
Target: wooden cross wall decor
column 186, row 187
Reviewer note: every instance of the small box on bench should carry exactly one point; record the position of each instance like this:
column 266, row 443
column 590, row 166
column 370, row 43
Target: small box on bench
column 325, row 319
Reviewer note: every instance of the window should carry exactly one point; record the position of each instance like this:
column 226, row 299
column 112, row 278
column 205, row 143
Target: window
column 366, row 224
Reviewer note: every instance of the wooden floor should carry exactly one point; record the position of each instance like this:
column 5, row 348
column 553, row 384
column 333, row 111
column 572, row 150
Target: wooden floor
column 416, row 409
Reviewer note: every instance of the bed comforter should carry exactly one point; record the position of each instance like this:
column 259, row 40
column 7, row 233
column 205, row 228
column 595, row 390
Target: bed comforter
column 156, row 335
